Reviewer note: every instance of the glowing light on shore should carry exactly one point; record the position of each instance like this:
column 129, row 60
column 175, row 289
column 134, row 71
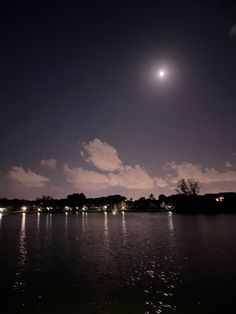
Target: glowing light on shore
column 24, row 208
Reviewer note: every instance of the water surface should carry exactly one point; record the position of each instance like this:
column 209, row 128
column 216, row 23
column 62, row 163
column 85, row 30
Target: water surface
column 124, row 263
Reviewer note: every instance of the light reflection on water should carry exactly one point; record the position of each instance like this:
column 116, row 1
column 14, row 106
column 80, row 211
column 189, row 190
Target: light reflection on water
column 124, row 230
column 156, row 273
column 66, row 221
column 0, row 220
column 125, row 263
column 22, row 242
column 38, row 221
column 170, row 221
column 48, row 221
column 19, row 282
column 84, row 221
column 106, row 232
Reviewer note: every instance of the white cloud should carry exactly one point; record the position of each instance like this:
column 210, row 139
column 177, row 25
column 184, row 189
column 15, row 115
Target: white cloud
column 86, row 180
column 160, row 182
column 132, row 178
column 228, row 164
column 128, row 177
column 49, row 163
column 112, row 173
column 27, row 177
column 115, row 173
column 102, row 155
column 203, row 175
column 233, row 31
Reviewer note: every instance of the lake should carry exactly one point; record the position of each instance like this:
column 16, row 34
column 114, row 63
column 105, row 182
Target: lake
column 125, row 263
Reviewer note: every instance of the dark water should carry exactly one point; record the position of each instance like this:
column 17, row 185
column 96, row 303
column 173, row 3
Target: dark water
column 124, row 263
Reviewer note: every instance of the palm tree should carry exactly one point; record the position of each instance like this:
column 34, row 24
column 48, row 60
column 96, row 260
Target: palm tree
column 189, row 187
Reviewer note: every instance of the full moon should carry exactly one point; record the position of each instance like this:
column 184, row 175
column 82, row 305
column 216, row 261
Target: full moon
column 161, row 74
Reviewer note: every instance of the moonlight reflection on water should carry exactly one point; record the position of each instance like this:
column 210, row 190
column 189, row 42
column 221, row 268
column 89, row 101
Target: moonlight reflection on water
column 124, row 263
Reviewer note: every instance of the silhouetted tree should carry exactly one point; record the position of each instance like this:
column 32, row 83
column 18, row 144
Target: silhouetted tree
column 76, row 200
column 115, row 199
column 151, row 197
column 189, row 187
column 162, row 198
column 45, row 200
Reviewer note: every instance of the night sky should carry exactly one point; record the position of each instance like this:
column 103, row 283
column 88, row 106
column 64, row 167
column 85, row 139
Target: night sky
column 84, row 108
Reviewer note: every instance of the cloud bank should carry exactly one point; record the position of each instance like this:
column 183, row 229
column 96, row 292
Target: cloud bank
column 130, row 178
column 86, row 180
column 107, row 173
column 110, row 171
column 27, row 177
column 203, row 175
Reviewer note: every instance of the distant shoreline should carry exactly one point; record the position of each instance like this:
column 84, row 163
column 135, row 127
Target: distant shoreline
column 85, row 211
column 78, row 203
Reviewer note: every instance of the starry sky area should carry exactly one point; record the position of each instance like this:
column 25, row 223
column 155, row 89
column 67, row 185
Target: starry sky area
column 83, row 108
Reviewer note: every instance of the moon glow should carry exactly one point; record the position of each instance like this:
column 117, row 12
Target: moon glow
column 161, row 74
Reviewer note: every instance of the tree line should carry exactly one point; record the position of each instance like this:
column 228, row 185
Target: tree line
column 186, row 200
